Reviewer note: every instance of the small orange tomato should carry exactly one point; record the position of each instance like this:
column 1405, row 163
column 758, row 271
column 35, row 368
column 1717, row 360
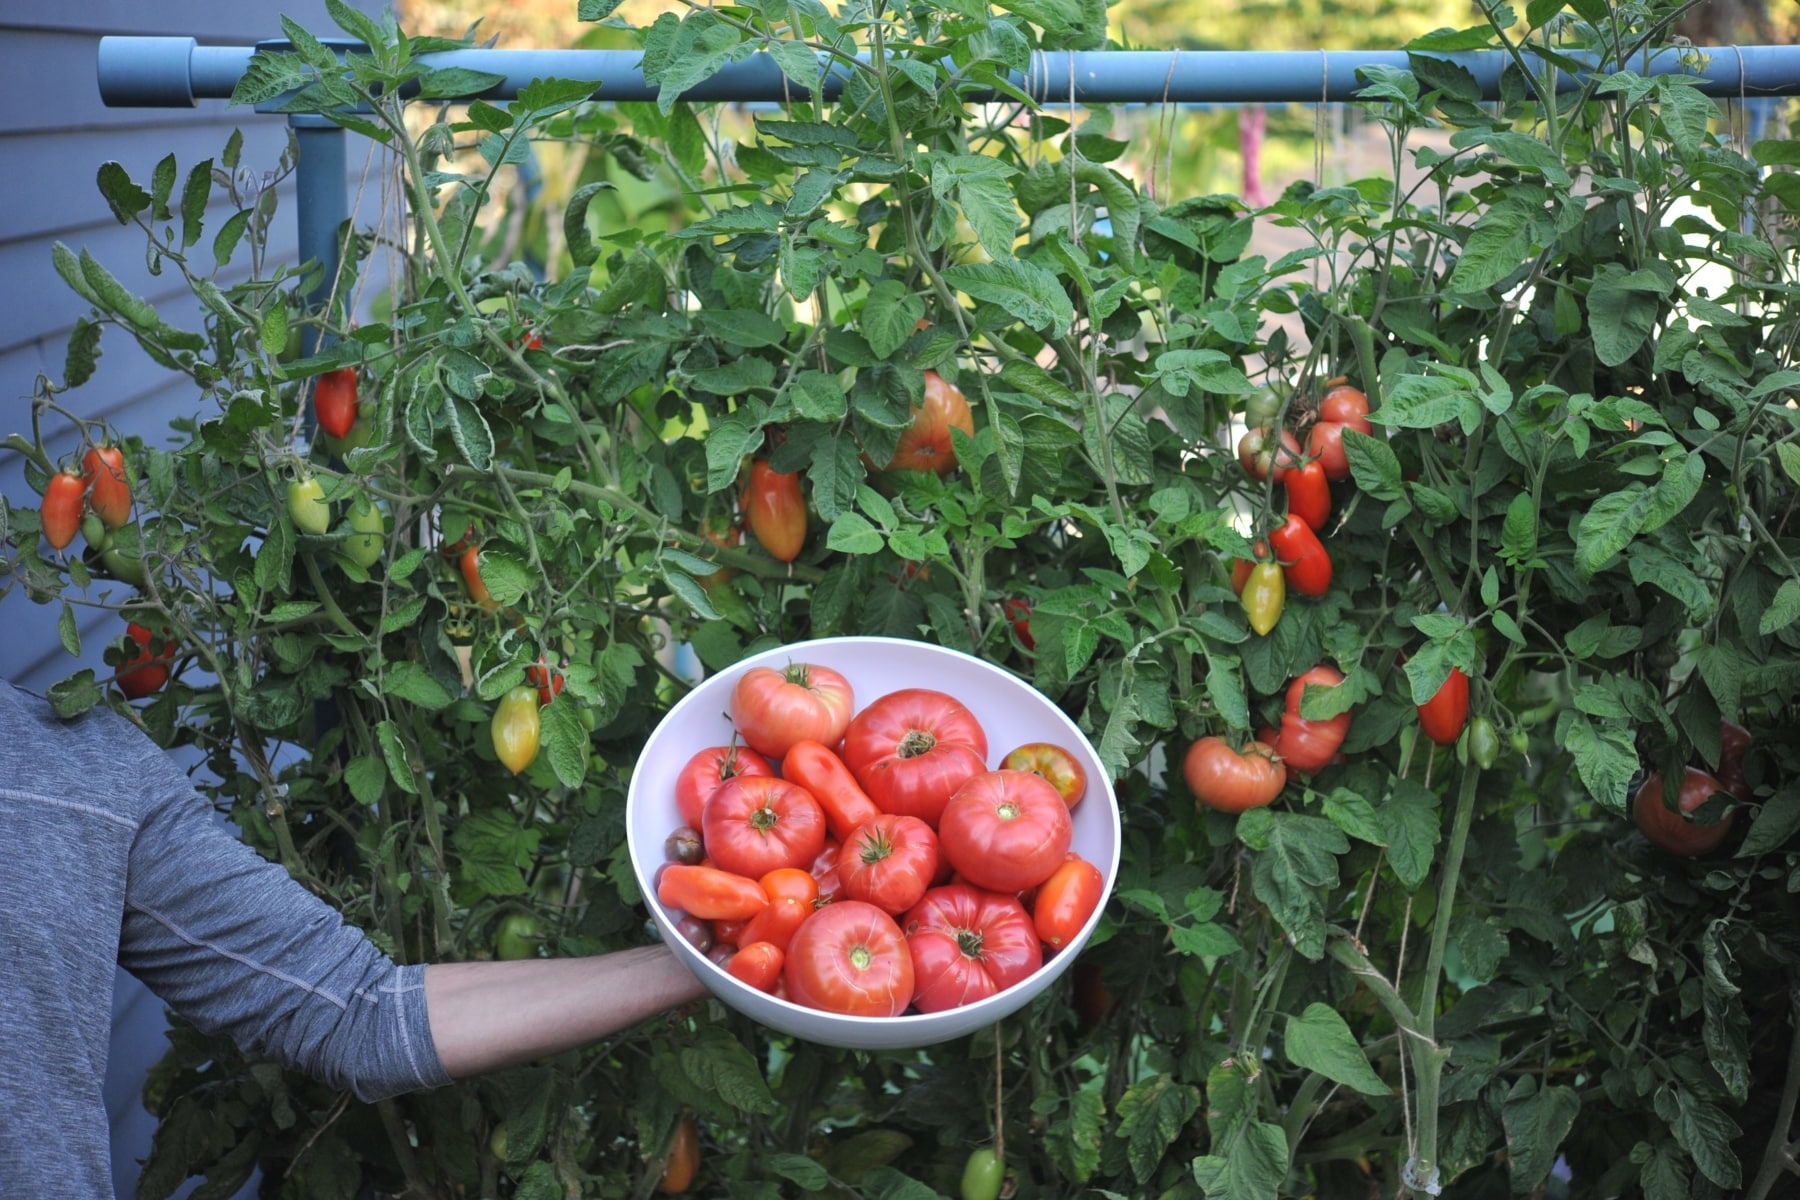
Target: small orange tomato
column 684, row 1160
column 1053, row 762
column 470, row 563
column 775, row 510
column 927, row 445
column 757, row 964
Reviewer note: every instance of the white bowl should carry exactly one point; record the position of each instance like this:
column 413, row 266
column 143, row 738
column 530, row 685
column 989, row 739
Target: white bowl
column 1010, row 710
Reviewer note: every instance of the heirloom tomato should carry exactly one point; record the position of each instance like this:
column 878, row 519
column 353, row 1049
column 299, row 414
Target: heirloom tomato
column 1309, row 744
column 754, row 824
column 61, row 509
column 889, row 862
column 927, row 444
column 1734, row 743
column 1232, row 779
column 707, row 770
column 967, row 944
column 850, row 958
column 1054, row 763
column 1066, row 900
column 1346, row 405
column 1674, row 831
column 1005, row 830
column 912, row 749
column 774, row 709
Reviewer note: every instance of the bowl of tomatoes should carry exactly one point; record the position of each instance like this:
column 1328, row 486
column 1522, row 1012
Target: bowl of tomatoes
column 870, row 842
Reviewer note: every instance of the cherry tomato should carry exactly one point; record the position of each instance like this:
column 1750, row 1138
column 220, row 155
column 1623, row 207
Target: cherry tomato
column 774, row 709
column 1442, row 717
column 695, row 932
column 148, row 669
column 1302, row 556
column 775, row 510
column 307, row 506
column 776, row 923
column 470, row 564
column 61, row 509
column 1262, row 455
column 368, row 532
column 889, row 862
column 757, row 964
column 1066, row 900
column 912, row 749
column 108, row 490
column 1054, row 763
column 755, row 823
column 1310, row 744
column 684, row 1160
column 1232, row 779
column 710, row 894
column 1018, row 611
column 850, row 958
column 823, row 773
column 334, row 401
column 1673, row 831
column 1309, row 494
column 1263, row 596
column 984, row 1175
column 927, row 444
column 709, row 768
column 967, row 944
column 1005, row 830
column 516, row 728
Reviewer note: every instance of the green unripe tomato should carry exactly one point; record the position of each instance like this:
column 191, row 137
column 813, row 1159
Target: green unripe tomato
column 94, row 530
column 983, row 1175
column 519, row 936
column 127, row 566
column 362, row 432
column 368, row 533
column 307, row 506
column 1484, row 743
column 1520, row 740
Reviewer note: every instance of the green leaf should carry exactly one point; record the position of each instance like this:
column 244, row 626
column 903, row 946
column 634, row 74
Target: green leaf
column 1605, row 759
column 456, row 83
column 1351, row 812
column 819, row 397
column 1609, row 526
column 851, row 533
column 1776, row 822
column 1536, row 1124
column 507, row 578
column 1298, row 859
column 412, row 682
column 1320, row 1040
column 1789, row 454
column 1152, row 1113
column 68, row 632
column 1026, row 290
column 596, row 10
column 495, row 851
column 274, row 330
column 564, row 741
column 1783, row 610
column 124, row 197
column 194, row 195
column 1622, row 309
column 366, row 777
column 981, row 186
column 723, row 1067
column 800, row 1170
column 83, row 354
column 744, row 328
column 393, row 750
column 888, row 316
column 1706, row 1133
column 1409, row 815
column 1075, row 1142
column 1254, row 1170
column 1421, row 402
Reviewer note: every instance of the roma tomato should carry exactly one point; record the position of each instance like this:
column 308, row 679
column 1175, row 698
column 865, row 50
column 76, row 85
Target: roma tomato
column 1483, row 743
column 61, row 509
column 1264, row 595
column 307, row 506
column 984, row 1175
column 774, row 709
column 1232, row 779
column 775, row 510
column 708, row 769
column 108, row 490
column 850, row 958
column 516, row 728
column 1066, row 900
column 1309, row 744
column 912, row 749
column 1303, row 557
column 823, row 773
column 1309, row 495
column 754, row 824
column 1673, row 830
column 889, row 862
column 334, row 401
column 684, row 1160
column 966, row 945
column 1005, row 830
column 1018, row 611
column 1054, row 763
column 1442, row 717
column 709, row 893
column 1262, row 454
column 927, row 444
column 757, row 963
column 148, row 669
column 368, row 532
column 469, row 563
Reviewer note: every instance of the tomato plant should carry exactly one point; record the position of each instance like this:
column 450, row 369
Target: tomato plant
column 966, row 945
column 850, row 958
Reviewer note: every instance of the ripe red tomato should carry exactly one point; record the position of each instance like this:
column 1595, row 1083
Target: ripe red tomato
column 775, row 925
column 775, row 509
column 1443, row 716
column 1303, row 558
column 709, row 768
column 709, row 893
column 1326, row 445
column 754, row 824
column 1309, row 494
column 967, row 944
column 1262, row 455
column 1232, row 779
column 61, row 509
column 108, row 491
column 889, row 862
column 145, row 672
column 795, row 883
column 1054, row 763
column 823, row 773
column 1308, row 745
column 1734, row 743
column 470, row 565
column 850, row 958
column 724, row 533
column 1346, row 405
column 684, row 1160
column 546, row 679
column 1066, row 900
column 1673, row 831
column 774, row 709
column 912, row 749
column 334, row 401
column 927, row 445
column 1018, row 611
column 1005, row 830
column 757, row 964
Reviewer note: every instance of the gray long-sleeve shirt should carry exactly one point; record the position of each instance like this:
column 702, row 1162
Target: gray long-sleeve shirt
column 108, row 855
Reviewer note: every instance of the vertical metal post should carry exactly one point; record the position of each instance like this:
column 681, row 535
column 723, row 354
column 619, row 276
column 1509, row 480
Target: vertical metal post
column 321, row 184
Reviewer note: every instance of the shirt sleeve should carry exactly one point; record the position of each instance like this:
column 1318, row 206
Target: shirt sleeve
column 231, row 942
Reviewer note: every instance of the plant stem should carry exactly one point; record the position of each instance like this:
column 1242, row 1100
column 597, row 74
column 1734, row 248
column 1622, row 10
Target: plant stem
column 1778, row 1154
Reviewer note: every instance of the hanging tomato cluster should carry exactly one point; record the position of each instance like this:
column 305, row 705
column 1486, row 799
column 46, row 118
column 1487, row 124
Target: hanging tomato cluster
column 868, row 862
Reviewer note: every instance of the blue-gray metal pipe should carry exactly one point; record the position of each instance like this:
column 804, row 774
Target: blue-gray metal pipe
column 178, row 72
column 321, row 203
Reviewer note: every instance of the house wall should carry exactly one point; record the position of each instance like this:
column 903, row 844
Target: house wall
column 54, row 135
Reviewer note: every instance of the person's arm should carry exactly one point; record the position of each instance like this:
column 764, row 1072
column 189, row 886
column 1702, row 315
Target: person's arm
column 488, row 1015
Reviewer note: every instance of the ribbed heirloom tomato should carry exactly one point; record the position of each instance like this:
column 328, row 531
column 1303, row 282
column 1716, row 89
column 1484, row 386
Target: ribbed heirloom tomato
column 755, row 824
column 889, row 862
column 803, row 701
column 709, row 768
column 1063, row 770
column 1231, row 778
column 967, row 944
column 850, row 958
column 912, row 749
column 1674, row 831
column 1005, row 830
column 1309, row 744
